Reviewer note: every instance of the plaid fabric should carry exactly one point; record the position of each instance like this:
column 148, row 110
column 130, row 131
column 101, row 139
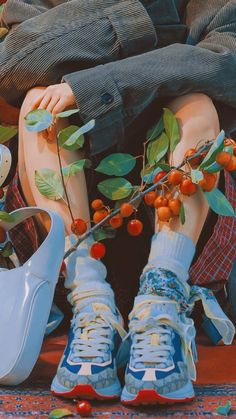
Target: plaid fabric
column 213, row 265
column 216, row 260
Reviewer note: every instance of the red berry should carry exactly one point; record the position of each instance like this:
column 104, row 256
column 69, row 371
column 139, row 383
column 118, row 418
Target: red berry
column 187, row 187
column 97, row 250
column 97, row 204
column 3, row 235
column 159, row 176
column 223, row 158
column 126, row 210
column 84, row 408
column 1, row 193
column 79, row 226
column 195, row 161
column 175, row 177
column 174, row 204
column 164, row 214
column 135, row 227
column 99, row 215
column 160, row 201
column 150, row 197
column 208, row 182
column 231, row 165
column 116, row 221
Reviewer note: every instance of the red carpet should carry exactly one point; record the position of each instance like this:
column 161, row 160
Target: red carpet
column 216, row 384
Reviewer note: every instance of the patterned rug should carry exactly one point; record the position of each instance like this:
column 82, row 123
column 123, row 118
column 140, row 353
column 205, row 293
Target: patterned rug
column 215, row 386
column 37, row 403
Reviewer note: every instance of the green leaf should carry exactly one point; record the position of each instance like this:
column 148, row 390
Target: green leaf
column 7, row 250
column 164, row 166
column 66, row 134
column 213, row 168
column 72, row 137
column 171, row 128
column 157, row 149
column 73, row 168
column 117, row 164
column 49, row 184
column 224, row 410
column 38, row 120
column 4, row 216
column 104, row 233
column 216, row 147
column 115, row 188
column 196, row 176
column 6, row 133
column 60, row 413
column 156, row 131
column 182, row 213
column 68, row 113
column 219, row 203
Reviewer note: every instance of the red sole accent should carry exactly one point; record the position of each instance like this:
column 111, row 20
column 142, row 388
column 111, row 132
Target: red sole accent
column 84, row 391
column 150, row 397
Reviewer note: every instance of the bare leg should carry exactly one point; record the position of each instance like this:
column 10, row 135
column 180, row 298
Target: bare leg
column 35, row 153
column 198, row 120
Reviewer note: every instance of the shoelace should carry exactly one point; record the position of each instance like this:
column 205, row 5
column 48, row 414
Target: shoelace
column 96, row 337
column 158, row 340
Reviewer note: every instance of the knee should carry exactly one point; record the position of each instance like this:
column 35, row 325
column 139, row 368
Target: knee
column 30, row 98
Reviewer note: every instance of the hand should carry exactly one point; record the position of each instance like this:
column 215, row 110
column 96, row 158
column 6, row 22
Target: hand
column 55, row 98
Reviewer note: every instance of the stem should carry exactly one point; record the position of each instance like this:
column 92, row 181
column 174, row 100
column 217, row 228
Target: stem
column 132, row 201
column 63, row 181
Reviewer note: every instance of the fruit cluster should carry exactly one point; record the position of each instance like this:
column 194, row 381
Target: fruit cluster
column 166, row 198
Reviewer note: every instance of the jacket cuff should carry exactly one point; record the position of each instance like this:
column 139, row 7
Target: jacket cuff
column 97, row 97
column 133, row 26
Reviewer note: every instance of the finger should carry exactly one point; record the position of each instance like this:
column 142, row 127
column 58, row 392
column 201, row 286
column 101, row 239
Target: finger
column 45, row 101
column 60, row 106
column 51, row 105
column 36, row 102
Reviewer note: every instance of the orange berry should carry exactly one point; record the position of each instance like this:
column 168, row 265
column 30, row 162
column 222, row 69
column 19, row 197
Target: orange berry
column 175, row 177
column 79, row 226
column 187, row 187
column 97, row 204
column 150, row 197
column 195, row 161
column 223, row 158
column 174, row 205
column 135, row 227
column 208, row 182
column 99, row 215
column 3, row 235
column 116, row 221
column 164, row 214
column 159, row 176
column 231, row 165
column 126, row 210
column 97, row 250
column 160, row 201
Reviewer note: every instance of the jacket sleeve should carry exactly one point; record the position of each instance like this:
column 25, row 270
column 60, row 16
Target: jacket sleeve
column 17, row 11
column 115, row 94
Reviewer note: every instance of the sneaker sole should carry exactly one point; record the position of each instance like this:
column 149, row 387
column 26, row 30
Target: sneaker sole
column 86, row 391
column 151, row 397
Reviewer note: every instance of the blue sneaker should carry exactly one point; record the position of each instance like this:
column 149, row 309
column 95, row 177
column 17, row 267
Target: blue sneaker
column 161, row 364
column 88, row 368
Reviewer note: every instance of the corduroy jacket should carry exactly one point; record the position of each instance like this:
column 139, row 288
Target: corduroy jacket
column 122, row 58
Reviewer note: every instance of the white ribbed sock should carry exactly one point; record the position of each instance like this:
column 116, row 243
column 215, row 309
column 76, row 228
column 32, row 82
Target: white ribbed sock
column 172, row 251
column 81, row 266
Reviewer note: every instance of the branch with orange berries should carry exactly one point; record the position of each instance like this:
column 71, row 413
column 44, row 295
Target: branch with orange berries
column 162, row 185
